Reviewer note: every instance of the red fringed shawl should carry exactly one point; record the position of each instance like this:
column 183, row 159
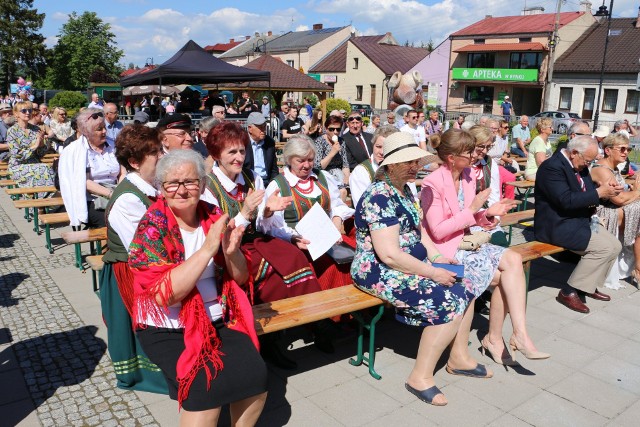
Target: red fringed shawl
column 156, row 249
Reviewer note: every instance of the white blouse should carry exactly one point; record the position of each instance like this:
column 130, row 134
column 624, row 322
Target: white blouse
column 276, row 226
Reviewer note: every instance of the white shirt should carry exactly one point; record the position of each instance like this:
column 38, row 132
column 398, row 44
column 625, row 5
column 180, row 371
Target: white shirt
column 418, row 133
column 499, row 147
column 231, row 187
column 128, row 209
column 102, row 168
column 276, row 226
column 193, row 241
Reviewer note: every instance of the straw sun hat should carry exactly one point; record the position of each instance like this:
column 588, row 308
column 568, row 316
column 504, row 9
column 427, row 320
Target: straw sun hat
column 401, row 147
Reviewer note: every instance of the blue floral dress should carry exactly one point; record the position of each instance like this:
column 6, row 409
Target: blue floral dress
column 419, row 301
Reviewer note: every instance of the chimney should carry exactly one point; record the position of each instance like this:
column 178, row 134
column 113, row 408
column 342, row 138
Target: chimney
column 585, row 6
column 269, row 33
column 535, row 10
column 488, row 16
column 230, row 40
column 317, row 27
column 247, row 37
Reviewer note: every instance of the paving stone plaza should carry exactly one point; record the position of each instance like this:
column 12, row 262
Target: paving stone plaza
column 55, row 369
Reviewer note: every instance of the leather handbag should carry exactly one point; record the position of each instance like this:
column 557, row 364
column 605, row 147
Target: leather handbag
column 473, row 241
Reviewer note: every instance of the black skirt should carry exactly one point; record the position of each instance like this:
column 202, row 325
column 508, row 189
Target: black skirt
column 244, row 373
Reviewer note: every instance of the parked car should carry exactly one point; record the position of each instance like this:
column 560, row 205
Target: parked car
column 562, row 121
column 363, row 109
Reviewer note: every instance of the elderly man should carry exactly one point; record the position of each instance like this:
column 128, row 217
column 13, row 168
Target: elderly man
column 623, row 126
column 566, row 201
column 111, row 122
column 577, row 129
column 265, row 107
column 96, row 102
column 261, row 152
column 44, row 114
column 6, row 121
column 176, row 132
column 415, row 130
column 499, row 130
column 433, row 125
column 391, row 119
column 521, row 137
column 357, row 143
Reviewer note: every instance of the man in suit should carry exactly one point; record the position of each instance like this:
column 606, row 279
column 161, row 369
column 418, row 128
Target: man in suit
column 261, row 152
column 566, row 201
column 357, row 143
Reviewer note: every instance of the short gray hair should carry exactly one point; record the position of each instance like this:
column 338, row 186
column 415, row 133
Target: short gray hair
column 467, row 124
column 617, row 125
column 383, row 131
column 298, row 145
column 87, row 124
column 491, row 121
column 217, row 108
column 575, row 127
column 209, row 123
column 176, row 158
column 580, row 143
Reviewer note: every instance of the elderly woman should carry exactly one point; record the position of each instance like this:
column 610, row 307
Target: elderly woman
column 620, row 214
column 391, row 263
column 363, row 174
column 307, row 186
column 540, row 148
column 191, row 316
column 88, row 171
column 331, row 154
column 138, row 149
column 26, row 147
column 60, row 125
column 278, row 269
column 451, row 206
column 375, row 123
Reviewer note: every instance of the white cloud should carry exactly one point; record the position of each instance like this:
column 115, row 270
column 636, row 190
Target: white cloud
column 302, row 28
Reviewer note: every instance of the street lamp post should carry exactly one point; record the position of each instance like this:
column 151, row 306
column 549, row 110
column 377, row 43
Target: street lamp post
column 601, row 13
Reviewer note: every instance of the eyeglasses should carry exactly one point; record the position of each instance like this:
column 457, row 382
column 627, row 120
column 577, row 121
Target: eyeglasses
column 413, row 118
column 180, row 134
column 468, row 157
column 94, row 116
column 622, row 149
column 354, row 119
column 333, row 129
column 505, row 127
column 582, row 134
column 111, row 112
column 484, row 147
column 62, row 114
column 495, row 129
column 173, row 186
column 26, row 110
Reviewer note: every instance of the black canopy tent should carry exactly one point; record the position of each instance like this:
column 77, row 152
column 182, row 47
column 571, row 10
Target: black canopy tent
column 193, row 65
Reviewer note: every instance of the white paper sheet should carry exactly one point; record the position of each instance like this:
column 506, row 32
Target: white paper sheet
column 316, row 227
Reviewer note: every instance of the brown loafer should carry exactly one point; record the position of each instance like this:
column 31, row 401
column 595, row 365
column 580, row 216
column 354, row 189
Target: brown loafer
column 599, row 296
column 572, row 301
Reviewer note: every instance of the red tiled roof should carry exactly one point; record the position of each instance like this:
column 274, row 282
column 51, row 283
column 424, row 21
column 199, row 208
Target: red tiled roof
column 388, row 57
column 222, row 47
column 133, row 71
column 503, row 47
column 523, row 24
column 283, row 76
column 585, row 55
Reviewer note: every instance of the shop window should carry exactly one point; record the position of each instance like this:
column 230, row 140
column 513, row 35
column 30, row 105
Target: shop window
column 525, row 60
column 633, row 97
column 481, row 60
column 610, row 100
column 478, row 94
column 565, row 98
column 358, row 93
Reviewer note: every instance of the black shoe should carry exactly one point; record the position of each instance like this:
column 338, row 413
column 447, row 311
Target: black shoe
column 272, row 353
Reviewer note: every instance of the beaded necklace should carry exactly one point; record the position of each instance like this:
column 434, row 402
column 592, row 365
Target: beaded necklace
column 407, row 200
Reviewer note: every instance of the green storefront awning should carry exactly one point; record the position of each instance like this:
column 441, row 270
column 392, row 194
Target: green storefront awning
column 495, row 74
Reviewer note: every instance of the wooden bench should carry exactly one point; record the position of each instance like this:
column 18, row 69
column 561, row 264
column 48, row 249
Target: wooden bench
column 96, row 235
column 513, row 218
column 96, row 264
column 17, row 193
column 304, row 309
column 531, row 251
column 48, row 220
column 524, row 189
column 9, row 183
column 36, row 204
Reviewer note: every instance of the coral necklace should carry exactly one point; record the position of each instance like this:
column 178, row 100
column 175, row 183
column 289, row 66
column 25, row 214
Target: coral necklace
column 305, row 181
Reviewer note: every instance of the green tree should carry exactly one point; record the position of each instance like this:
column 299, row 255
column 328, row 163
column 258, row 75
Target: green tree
column 85, row 45
column 430, row 46
column 22, row 49
column 338, row 104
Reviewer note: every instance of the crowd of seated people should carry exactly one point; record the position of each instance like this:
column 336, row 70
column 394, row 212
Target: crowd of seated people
column 193, row 245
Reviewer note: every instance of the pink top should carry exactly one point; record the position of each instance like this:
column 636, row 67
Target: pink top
column 442, row 218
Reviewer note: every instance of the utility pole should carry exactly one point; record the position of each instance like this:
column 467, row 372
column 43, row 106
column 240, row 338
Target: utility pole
column 552, row 56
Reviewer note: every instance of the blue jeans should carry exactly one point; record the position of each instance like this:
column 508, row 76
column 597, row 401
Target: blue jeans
column 518, row 152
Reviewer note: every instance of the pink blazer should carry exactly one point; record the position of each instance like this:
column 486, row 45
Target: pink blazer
column 442, row 217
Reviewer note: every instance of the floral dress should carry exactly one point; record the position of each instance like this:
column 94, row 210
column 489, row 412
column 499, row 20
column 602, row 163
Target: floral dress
column 419, row 301
column 25, row 163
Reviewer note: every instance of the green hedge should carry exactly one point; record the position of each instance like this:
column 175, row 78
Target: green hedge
column 69, row 100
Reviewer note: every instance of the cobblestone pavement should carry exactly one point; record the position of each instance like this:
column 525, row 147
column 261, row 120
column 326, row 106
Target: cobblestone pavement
column 65, row 367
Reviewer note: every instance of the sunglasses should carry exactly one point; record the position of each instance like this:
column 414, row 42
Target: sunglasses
column 622, row 149
column 333, row 129
column 354, row 119
column 505, row 127
column 484, row 147
column 94, row 116
column 26, row 110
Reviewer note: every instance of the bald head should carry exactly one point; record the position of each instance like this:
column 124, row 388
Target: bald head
column 110, row 112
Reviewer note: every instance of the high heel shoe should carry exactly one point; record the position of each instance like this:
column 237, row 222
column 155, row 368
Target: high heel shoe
column 488, row 350
column 635, row 278
column 529, row 354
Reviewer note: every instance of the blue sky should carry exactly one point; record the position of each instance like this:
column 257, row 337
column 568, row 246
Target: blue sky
column 157, row 28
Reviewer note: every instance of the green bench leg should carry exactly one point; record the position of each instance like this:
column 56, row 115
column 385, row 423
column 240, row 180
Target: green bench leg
column 36, row 227
column 78, row 251
column 371, row 327
column 47, row 236
column 26, row 214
